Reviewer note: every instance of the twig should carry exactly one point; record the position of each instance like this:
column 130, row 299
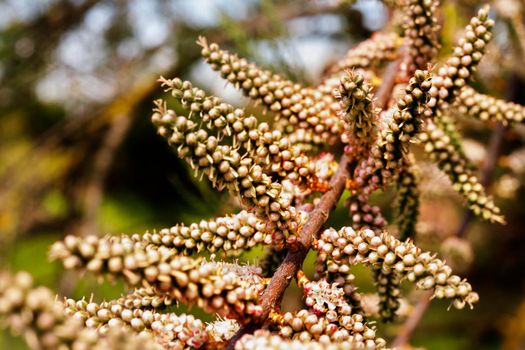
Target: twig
column 389, row 80
column 408, row 328
column 94, row 191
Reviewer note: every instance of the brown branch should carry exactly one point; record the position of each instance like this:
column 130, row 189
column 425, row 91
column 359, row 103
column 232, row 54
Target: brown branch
column 294, row 259
column 410, row 325
column 94, row 191
column 388, row 82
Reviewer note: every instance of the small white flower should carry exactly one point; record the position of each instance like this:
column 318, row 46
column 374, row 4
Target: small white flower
column 323, row 296
column 222, row 329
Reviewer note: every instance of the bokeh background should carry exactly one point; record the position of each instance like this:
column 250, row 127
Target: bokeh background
column 78, row 154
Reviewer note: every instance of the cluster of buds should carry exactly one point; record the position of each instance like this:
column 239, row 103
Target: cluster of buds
column 303, row 140
column 99, row 255
column 34, row 313
column 347, row 247
column 115, row 338
column 227, row 289
column 405, row 122
column 425, row 96
column 407, row 202
column 357, row 110
column 226, row 166
column 488, row 108
column 440, row 137
column 306, row 325
column 285, row 160
column 230, row 234
column 265, row 340
column 299, row 107
column 169, row 329
column 453, row 76
column 387, row 283
column 445, row 153
column 442, row 142
column 422, row 32
column 145, row 298
column 449, row 126
column 381, row 47
column 364, row 214
column 328, row 317
column 258, row 84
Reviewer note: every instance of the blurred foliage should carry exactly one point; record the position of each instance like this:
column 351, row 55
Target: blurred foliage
column 78, row 153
